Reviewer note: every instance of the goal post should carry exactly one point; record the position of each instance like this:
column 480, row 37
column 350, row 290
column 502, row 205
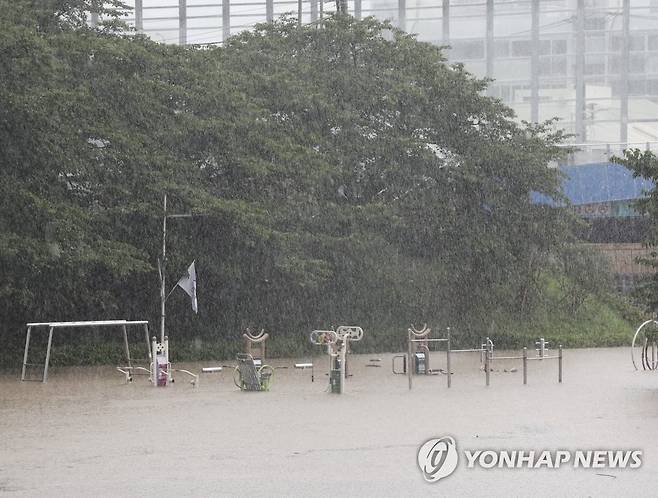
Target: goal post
column 51, row 326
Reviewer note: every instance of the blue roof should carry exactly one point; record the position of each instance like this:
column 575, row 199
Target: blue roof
column 602, row 182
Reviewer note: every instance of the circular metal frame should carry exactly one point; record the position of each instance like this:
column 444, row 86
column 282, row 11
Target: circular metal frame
column 646, row 365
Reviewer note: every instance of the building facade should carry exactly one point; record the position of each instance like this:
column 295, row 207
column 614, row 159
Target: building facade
column 591, row 63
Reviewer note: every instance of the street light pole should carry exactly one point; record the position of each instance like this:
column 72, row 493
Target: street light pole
column 162, row 263
column 163, row 298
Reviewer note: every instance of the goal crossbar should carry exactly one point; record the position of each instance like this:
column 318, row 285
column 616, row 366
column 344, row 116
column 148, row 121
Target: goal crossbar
column 123, row 324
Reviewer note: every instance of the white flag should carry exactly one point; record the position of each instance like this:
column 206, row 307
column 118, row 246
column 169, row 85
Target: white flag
column 188, row 284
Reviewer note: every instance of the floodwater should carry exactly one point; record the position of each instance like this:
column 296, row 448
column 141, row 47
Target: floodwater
column 86, row 433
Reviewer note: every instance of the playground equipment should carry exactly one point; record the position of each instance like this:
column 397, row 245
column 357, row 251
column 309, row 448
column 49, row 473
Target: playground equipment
column 542, row 347
column 257, row 342
column 645, row 339
column 160, row 370
column 304, row 366
column 251, row 377
column 541, row 355
column 338, row 344
column 418, row 354
column 123, row 324
column 161, row 367
column 418, row 344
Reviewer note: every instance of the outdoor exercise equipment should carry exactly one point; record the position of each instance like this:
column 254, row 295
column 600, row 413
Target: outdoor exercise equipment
column 486, row 348
column 51, row 326
column 418, row 347
column 542, row 347
column 337, row 343
column 161, row 369
column 304, row 366
column 541, row 355
column 255, row 342
column 645, row 339
column 250, row 377
column 418, row 354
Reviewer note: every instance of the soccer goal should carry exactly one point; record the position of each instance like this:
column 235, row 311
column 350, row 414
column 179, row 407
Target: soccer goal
column 122, row 325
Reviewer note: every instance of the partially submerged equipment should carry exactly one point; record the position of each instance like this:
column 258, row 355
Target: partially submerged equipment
column 251, row 377
column 418, row 351
column 542, row 354
column 645, row 340
column 337, row 343
column 255, row 343
column 51, row 326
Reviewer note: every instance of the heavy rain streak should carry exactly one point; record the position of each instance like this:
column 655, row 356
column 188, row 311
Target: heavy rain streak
column 344, row 248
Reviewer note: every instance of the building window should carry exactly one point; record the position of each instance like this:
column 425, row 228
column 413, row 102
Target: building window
column 501, row 48
column 594, row 23
column 637, row 43
column 636, row 64
column 652, row 42
column 521, row 48
column 559, row 47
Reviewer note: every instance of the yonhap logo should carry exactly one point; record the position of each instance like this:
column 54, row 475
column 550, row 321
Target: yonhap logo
column 437, row 458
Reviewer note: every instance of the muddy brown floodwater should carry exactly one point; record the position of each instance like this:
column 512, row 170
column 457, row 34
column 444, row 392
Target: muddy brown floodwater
column 85, row 433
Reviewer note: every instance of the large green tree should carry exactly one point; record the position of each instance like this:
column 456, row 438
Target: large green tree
column 345, row 172
column 644, row 164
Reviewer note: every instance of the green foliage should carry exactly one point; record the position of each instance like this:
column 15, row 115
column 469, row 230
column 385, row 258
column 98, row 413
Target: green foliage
column 645, row 164
column 346, row 174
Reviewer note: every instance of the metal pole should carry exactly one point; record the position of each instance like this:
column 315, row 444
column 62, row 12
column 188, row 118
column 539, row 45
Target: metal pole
column 490, row 40
column 269, row 10
column 534, row 64
column 45, row 367
column 357, row 9
column 445, row 22
column 163, row 296
column 182, row 22
column 139, row 16
column 314, row 10
column 154, row 369
column 580, row 73
column 559, row 364
column 148, row 343
column 402, row 14
column 125, row 343
column 525, row 366
column 410, row 364
column 448, row 359
column 27, row 347
column 226, row 20
column 626, row 48
column 486, row 367
column 343, row 358
column 299, row 12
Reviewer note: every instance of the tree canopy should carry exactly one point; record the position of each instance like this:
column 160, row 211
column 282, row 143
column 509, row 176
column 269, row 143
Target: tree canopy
column 346, row 173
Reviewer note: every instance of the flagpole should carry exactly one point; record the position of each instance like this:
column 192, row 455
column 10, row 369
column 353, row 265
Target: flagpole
column 163, row 298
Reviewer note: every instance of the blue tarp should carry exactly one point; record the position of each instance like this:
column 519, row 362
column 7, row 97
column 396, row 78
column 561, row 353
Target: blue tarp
column 602, row 182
